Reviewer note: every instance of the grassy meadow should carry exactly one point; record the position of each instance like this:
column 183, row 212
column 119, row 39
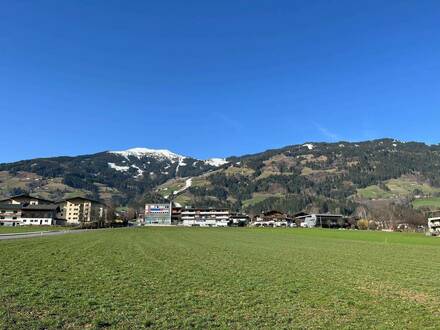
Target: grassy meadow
column 221, row 277
column 27, row 229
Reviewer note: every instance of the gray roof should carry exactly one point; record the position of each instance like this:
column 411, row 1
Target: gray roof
column 4, row 206
column 42, row 207
column 84, row 198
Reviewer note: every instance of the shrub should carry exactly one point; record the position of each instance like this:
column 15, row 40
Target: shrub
column 362, row 224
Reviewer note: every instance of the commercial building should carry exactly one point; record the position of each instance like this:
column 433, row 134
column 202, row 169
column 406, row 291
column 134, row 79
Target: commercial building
column 158, row 214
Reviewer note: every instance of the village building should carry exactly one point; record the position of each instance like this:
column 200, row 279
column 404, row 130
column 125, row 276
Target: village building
column 78, row 210
column 28, row 210
column 10, row 215
column 41, row 215
column 25, row 199
column 273, row 218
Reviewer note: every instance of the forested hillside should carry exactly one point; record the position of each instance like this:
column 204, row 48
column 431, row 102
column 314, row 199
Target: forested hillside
column 338, row 177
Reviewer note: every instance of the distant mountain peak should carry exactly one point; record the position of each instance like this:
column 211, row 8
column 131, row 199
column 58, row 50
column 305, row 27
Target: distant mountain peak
column 145, row 152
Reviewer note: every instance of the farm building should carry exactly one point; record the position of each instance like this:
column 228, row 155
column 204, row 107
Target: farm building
column 239, row 220
column 322, row 220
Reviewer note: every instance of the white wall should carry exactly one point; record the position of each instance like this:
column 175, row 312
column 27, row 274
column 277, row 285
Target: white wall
column 36, row 221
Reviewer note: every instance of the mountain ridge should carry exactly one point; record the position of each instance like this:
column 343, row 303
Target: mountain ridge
column 320, row 176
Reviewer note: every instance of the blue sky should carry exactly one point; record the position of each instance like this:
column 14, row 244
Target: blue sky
column 214, row 78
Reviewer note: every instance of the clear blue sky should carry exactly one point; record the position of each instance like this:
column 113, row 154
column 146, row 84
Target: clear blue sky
column 214, row 78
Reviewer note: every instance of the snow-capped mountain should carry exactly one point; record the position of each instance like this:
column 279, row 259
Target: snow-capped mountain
column 145, row 152
column 116, row 175
column 146, row 156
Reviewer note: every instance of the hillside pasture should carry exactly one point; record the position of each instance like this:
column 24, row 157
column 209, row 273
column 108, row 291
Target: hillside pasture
column 433, row 203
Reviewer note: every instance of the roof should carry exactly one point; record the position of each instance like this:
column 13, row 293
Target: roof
column 5, row 206
column 83, row 198
column 273, row 212
column 320, row 215
column 204, row 209
column 239, row 216
column 26, row 196
column 300, row 214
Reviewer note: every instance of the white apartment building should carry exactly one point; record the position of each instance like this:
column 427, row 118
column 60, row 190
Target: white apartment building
column 205, row 217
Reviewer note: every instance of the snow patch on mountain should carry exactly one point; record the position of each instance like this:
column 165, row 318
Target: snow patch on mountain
column 181, row 163
column 309, row 146
column 119, row 168
column 140, row 172
column 216, row 162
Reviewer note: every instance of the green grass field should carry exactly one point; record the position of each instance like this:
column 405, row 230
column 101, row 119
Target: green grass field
column 221, row 278
column 25, row 229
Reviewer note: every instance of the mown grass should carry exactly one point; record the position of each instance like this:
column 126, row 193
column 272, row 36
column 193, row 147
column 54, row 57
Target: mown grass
column 25, row 229
column 221, row 278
